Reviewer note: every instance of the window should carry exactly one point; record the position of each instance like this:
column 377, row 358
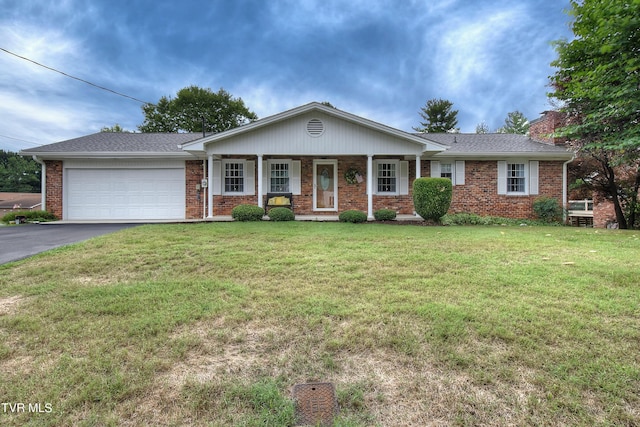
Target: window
column 279, row 177
column 515, row 178
column 234, row 177
column 387, row 180
column 446, row 171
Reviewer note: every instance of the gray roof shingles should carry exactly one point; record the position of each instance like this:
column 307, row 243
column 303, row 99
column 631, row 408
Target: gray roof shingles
column 120, row 142
column 491, row 143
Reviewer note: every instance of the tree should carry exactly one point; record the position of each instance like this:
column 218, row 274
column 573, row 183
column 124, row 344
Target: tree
column 438, row 117
column 482, row 127
column 192, row 107
column 19, row 174
column 516, row 123
column 597, row 83
column 115, row 128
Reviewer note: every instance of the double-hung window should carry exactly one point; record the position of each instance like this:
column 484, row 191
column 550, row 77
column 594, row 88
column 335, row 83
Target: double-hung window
column 446, row 171
column 518, row 177
column 515, row 178
column 234, row 175
column 279, row 177
column 387, row 177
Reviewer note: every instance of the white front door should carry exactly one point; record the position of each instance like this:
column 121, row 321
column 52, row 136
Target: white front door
column 325, row 185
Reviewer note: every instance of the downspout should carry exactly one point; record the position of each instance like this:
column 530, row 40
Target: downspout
column 565, row 187
column 204, row 190
column 43, row 183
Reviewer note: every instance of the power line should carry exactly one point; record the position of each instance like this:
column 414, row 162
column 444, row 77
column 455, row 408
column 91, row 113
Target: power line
column 76, row 78
column 18, row 139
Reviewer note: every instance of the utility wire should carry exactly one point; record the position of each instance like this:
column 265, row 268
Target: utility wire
column 18, row 139
column 76, row 78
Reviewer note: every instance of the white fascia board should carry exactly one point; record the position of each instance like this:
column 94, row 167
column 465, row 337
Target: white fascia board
column 504, row 155
column 110, row 155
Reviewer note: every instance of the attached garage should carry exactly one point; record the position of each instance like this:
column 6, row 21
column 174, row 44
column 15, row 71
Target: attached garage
column 122, row 190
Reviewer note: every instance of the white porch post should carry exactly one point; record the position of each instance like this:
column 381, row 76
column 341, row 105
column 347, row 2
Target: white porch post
column 417, row 167
column 210, row 187
column 260, row 183
column 370, row 186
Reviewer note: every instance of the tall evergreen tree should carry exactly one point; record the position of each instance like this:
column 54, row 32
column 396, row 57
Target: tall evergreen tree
column 516, row 122
column 438, row 116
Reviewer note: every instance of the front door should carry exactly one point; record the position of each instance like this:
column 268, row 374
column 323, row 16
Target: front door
column 325, row 185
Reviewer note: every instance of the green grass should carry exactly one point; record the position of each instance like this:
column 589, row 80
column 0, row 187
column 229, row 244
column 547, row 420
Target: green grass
column 213, row 324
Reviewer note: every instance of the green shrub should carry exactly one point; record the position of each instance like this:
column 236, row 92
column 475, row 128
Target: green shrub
column 247, row 213
column 353, row 216
column 475, row 219
column 30, row 216
column 547, row 209
column 432, row 197
column 281, row 214
column 384, row 215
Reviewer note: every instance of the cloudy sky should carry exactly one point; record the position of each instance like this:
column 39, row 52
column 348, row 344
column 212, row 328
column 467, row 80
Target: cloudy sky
column 381, row 59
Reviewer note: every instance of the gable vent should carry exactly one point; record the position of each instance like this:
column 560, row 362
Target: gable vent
column 315, row 127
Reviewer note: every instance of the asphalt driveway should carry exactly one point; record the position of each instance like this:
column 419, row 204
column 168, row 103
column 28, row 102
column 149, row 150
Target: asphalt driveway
column 22, row 241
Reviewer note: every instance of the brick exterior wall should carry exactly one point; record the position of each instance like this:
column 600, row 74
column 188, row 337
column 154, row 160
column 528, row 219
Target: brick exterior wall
column 194, row 205
column 480, row 195
column 53, row 196
column 604, row 214
column 350, row 196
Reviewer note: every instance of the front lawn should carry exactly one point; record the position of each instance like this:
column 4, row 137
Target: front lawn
column 213, row 324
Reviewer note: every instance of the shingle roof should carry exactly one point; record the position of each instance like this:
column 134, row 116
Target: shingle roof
column 488, row 143
column 119, row 142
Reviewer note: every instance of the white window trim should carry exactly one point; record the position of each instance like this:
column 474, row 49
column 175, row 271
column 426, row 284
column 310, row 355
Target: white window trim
column 289, row 164
column 248, row 177
column 376, row 164
column 294, row 175
column 457, row 170
column 531, row 177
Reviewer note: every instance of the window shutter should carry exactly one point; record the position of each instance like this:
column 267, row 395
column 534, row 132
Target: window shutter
column 216, row 185
column 502, row 177
column 250, row 178
column 533, row 176
column 296, row 172
column 265, row 177
column 403, row 187
column 435, row 169
column 459, row 172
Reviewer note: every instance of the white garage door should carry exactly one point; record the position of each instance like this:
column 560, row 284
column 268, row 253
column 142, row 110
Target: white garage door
column 95, row 194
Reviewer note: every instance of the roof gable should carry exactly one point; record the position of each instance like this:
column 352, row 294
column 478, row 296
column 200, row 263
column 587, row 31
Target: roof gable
column 332, row 131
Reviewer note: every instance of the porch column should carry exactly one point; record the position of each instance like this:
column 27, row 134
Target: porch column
column 210, row 187
column 417, row 167
column 370, row 186
column 260, row 189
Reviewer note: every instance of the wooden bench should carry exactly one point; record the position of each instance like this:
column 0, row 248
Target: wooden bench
column 278, row 200
column 580, row 213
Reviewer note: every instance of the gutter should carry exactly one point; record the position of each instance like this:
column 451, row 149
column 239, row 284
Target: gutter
column 565, row 190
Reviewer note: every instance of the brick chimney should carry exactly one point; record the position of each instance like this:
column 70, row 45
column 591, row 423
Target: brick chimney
column 542, row 128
